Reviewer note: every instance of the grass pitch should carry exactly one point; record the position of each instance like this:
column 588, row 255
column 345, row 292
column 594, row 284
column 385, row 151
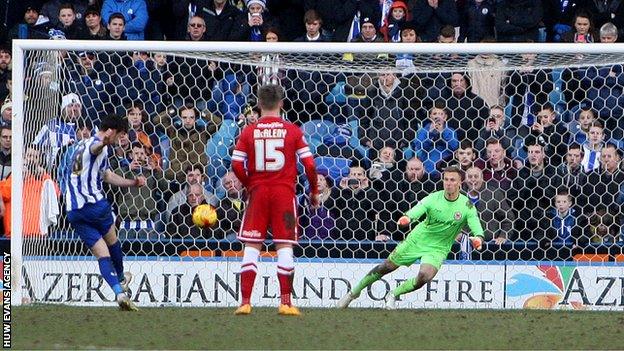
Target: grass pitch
column 61, row 327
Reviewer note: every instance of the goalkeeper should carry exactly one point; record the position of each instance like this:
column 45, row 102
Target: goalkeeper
column 447, row 212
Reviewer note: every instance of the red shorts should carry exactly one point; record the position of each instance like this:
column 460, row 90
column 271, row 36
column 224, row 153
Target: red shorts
column 273, row 206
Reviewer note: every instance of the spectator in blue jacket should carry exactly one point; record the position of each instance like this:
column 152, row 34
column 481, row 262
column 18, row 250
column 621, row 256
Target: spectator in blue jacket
column 580, row 127
column 566, row 223
column 134, row 12
column 435, row 141
column 431, row 15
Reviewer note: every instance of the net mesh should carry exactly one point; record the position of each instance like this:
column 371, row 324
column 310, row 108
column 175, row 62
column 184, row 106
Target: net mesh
column 545, row 177
column 418, row 63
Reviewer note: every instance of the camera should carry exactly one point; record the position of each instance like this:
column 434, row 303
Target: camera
column 353, row 182
column 172, row 111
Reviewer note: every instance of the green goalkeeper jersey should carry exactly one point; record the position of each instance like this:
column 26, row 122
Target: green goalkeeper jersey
column 444, row 220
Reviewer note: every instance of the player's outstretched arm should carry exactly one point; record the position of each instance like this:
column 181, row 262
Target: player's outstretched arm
column 475, row 228
column 107, row 139
column 310, row 171
column 114, row 179
column 414, row 213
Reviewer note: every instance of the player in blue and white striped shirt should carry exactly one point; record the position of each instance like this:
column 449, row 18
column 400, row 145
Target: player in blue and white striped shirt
column 89, row 212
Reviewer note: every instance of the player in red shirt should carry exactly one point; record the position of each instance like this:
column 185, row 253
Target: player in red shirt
column 265, row 161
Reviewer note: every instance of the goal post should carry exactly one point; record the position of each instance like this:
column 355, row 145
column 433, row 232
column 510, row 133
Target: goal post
column 334, row 92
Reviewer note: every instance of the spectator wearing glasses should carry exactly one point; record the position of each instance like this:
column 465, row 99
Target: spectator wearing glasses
column 196, row 30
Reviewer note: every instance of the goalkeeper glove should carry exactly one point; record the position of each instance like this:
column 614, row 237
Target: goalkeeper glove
column 404, row 221
column 477, row 242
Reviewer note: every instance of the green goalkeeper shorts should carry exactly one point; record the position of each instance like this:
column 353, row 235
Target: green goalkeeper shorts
column 407, row 252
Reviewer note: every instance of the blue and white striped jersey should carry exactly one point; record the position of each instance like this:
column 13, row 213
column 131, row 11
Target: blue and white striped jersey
column 84, row 183
column 54, row 135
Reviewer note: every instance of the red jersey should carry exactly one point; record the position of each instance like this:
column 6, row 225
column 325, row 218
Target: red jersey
column 270, row 148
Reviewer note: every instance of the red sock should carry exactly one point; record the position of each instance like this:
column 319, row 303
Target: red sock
column 285, row 277
column 248, row 276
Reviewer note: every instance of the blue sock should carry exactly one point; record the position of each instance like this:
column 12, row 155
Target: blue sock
column 117, row 257
column 106, row 269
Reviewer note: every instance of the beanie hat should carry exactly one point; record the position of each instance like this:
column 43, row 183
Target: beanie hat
column 71, row 98
column 365, row 20
column 7, row 104
column 257, row 2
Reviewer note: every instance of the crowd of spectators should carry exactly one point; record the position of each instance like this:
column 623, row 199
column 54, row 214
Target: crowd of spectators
column 331, row 20
column 541, row 149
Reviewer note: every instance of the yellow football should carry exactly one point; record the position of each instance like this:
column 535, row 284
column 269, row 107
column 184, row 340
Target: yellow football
column 205, row 216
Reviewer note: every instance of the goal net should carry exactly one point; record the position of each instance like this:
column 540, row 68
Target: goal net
column 538, row 131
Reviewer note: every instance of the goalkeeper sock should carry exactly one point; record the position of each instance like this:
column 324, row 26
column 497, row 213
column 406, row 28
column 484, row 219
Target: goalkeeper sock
column 117, row 258
column 369, row 279
column 107, row 271
column 248, row 273
column 407, row 286
column 285, row 273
